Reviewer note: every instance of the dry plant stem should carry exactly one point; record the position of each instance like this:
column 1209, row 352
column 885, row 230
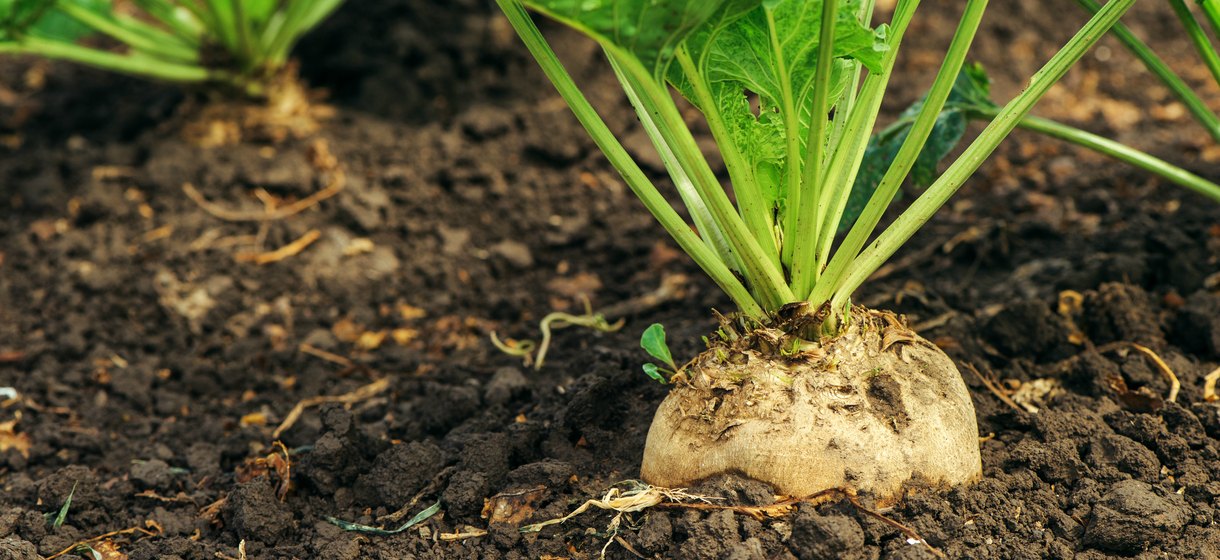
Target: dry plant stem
column 1162, row 367
column 1209, row 385
column 906, row 531
column 337, row 182
column 291, row 249
column 876, row 409
column 626, row 546
column 363, row 393
column 323, row 354
column 779, row 508
column 472, row 533
column 991, row 386
column 127, row 531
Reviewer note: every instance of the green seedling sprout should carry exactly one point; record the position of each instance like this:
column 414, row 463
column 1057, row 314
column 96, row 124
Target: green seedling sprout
column 791, row 91
column 243, row 44
column 653, row 342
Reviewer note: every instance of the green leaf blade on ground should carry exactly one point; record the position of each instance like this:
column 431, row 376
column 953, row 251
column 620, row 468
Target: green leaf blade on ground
column 419, row 518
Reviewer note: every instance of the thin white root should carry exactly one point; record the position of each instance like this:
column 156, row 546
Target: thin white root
column 637, row 496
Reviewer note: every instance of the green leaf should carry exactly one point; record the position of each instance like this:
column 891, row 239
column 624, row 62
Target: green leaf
column 653, row 342
column 655, row 372
column 63, row 510
column 648, row 29
column 971, row 91
column 419, row 518
column 753, row 84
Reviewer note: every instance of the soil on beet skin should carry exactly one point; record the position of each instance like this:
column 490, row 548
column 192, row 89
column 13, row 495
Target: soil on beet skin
column 153, row 363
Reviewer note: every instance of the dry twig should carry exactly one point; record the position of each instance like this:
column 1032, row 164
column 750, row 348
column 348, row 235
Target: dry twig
column 1166, row 372
column 337, row 182
column 994, row 389
column 363, row 393
column 289, row 250
column 150, row 523
column 328, row 356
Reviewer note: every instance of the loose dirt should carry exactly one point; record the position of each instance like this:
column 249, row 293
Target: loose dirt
column 152, row 368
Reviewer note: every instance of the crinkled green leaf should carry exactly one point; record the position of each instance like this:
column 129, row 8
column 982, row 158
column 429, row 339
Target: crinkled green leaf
column 653, row 342
column 971, row 91
column 736, row 61
column 654, row 372
column 648, row 29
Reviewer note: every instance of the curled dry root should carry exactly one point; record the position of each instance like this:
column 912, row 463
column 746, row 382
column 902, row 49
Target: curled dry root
column 876, row 409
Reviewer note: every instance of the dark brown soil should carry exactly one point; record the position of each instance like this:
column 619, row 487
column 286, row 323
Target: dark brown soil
column 152, row 367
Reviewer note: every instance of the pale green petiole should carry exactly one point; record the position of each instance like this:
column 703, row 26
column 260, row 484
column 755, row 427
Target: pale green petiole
column 1211, row 9
column 1161, row 70
column 846, row 161
column 621, row 160
column 815, row 144
column 1005, row 121
column 110, row 61
column 1207, row 51
column 1121, row 152
column 955, row 57
column 710, row 231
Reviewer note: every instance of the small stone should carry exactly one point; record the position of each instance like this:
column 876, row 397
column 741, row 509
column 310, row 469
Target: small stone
column 504, row 385
column 515, row 252
column 482, row 122
column 152, row 474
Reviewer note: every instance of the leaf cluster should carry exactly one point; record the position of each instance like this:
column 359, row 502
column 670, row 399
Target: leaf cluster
column 790, row 91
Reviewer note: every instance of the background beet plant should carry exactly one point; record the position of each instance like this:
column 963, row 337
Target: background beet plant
column 243, row 44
